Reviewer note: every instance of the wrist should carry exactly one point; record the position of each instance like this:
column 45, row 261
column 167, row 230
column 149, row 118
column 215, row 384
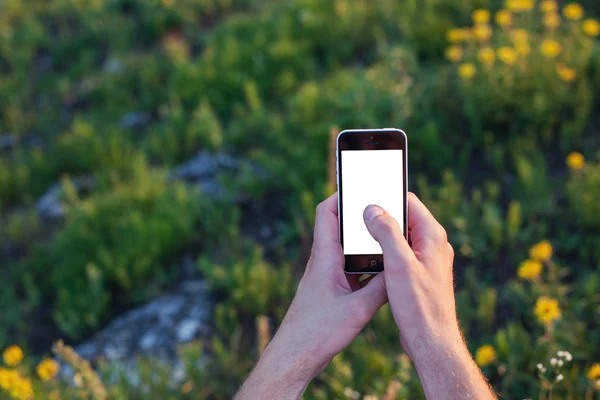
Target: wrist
column 445, row 366
column 283, row 371
column 423, row 344
column 296, row 354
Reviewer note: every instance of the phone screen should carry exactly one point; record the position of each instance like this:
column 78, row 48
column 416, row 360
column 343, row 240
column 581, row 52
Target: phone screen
column 369, row 177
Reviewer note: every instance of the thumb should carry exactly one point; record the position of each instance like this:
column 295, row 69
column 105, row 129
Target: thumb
column 388, row 233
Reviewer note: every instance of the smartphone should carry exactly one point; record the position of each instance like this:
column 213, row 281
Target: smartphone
column 371, row 169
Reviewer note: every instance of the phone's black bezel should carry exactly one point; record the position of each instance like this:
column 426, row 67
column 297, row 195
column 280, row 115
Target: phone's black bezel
column 369, row 139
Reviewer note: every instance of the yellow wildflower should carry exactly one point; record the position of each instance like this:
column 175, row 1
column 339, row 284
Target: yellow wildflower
column 573, row 11
column 547, row 309
column 481, row 16
column 482, row 32
column 457, row 35
column 507, row 55
column 8, row 378
column 551, row 21
column 47, row 369
column 486, row 56
column 591, row 27
column 503, row 18
column 467, row 71
column 523, row 48
column 551, row 48
column 575, row 160
column 485, row 355
column 520, row 5
column 542, row 251
column 22, row 389
column 565, row 73
column 593, row 375
column 454, row 53
column 529, row 269
column 519, row 35
column 13, row 355
column 548, row 6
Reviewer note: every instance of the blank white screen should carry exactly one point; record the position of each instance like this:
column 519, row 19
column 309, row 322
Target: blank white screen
column 369, row 177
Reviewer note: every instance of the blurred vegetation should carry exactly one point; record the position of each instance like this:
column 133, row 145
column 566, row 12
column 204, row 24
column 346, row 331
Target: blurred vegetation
column 499, row 100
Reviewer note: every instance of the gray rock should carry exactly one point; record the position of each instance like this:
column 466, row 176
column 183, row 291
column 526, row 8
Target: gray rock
column 187, row 329
column 7, row 142
column 50, row 206
column 135, row 120
column 154, row 330
column 205, row 169
column 114, row 66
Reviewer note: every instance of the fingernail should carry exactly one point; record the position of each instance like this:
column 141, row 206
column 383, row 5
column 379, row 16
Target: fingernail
column 372, row 212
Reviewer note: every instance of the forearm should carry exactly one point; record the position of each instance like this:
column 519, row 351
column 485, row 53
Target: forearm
column 281, row 373
column 446, row 368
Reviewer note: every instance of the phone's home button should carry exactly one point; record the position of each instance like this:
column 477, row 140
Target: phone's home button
column 373, row 263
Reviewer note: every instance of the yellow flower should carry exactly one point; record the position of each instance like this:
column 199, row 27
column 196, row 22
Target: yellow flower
column 573, row 11
column 47, row 369
column 529, row 269
column 520, row 5
column 503, row 18
column 575, row 160
column 467, row 71
column 591, row 27
column 22, row 389
column 507, row 55
column 547, row 309
column 541, row 251
column 593, row 375
column 548, row 6
column 523, row 48
column 486, row 56
column 551, row 21
column 8, row 378
column 481, row 16
column 565, row 73
column 457, row 35
column 519, row 35
column 482, row 32
column 485, row 355
column 454, row 53
column 13, row 355
column 551, row 48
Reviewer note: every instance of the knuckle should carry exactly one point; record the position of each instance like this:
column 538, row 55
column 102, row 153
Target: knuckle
column 337, row 258
column 451, row 251
column 320, row 207
column 398, row 267
column 387, row 226
column 441, row 234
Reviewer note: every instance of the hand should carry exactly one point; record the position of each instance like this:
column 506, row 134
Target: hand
column 420, row 288
column 330, row 308
column 419, row 280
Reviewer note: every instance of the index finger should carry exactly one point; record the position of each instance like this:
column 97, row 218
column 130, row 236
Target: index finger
column 326, row 220
column 423, row 226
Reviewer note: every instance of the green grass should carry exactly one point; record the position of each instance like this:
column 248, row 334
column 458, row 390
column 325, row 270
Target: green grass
column 267, row 81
